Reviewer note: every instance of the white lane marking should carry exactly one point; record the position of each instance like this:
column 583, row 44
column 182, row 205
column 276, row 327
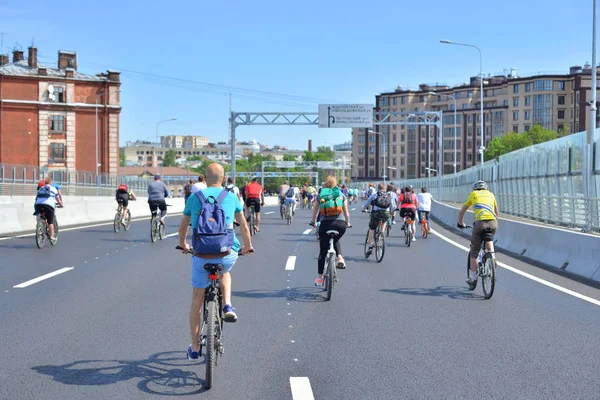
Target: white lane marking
column 301, row 389
column 41, row 278
column 270, row 212
column 291, row 263
column 525, row 274
column 79, row 227
column 171, row 235
column 352, row 209
column 306, row 232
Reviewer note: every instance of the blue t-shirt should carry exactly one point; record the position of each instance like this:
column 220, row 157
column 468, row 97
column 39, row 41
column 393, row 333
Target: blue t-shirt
column 231, row 205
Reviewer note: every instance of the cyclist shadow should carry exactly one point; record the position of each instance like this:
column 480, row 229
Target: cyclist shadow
column 299, row 294
column 358, row 259
column 451, row 292
column 22, row 244
column 154, row 374
column 127, row 240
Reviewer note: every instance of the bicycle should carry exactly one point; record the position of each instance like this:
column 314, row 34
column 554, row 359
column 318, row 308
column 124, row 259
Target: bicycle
column 408, row 234
column 424, row 224
column 252, row 221
column 289, row 215
column 330, row 269
column 211, row 328
column 388, row 226
column 117, row 221
column 42, row 230
column 486, row 264
column 282, row 209
column 379, row 243
column 157, row 229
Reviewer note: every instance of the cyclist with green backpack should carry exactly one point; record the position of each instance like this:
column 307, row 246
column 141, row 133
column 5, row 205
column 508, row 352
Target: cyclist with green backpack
column 382, row 203
column 334, row 215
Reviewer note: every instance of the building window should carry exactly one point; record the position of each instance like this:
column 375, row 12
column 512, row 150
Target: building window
column 470, row 94
column 57, row 153
column 526, row 127
column 542, row 84
column 394, row 137
column 515, row 128
column 561, row 127
column 395, row 101
column 561, row 100
column 361, row 138
column 383, row 101
column 394, row 174
column 361, row 162
column 469, row 157
column 527, row 115
column 515, row 115
column 402, row 174
column 516, row 88
column 394, row 149
column 465, row 106
column 516, row 102
column 361, row 150
column 403, row 100
column 401, row 149
column 57, row 124
column 470, row 119
column 561, row 85
column 402, row 137
column 59, row 93
column 527, row 101
column 402, row 162
column 371, row 162
column 528, row 87
column 543, row 110
column 561, row 114
column 372, row 150
column 371, row 138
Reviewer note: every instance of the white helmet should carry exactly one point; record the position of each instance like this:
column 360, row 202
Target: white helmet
column 480, row 185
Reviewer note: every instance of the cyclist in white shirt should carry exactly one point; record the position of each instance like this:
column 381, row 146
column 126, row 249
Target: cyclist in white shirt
column 292, row 196
column 425, row 199
column 200, row 185
column 45, row 203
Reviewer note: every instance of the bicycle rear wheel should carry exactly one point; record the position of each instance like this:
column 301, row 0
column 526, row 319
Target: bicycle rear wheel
column 379, row 246
column 330, row 265
column 128, row 220
column 211, row 343
column 488, row 278
column 469, row 270
column 425, row 229
column 388, row 228
column 117, row 221
column 367, row 245
column 40, row 234
column 161, row 230
column 153, row 229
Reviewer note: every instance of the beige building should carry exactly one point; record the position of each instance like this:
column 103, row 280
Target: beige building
column 511, row 103
column 183, row 142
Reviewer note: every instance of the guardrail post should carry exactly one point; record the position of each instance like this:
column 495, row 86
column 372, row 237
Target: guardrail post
column 14, row 176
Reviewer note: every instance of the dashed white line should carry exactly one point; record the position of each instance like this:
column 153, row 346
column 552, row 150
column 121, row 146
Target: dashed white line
column 172, row 234
column 525, row 274
column 291, row 263
column 270, row 212
column 41, row 278
column 352, row 209
column 306, row 232
column 301, row 389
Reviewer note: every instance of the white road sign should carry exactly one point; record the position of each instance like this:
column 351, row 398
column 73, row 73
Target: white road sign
column 345, row 116
column 286, row 164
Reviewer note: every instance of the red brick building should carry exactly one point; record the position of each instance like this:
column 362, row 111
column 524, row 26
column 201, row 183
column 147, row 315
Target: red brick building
column 48, row 115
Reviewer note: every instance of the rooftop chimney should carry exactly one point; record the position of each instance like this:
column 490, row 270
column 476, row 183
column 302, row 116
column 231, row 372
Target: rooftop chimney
column 3, row 59
column 32, row 57
column 67, row 59
column 310, row 145
column 18, row 55
column 42, row 71
column 69, row 72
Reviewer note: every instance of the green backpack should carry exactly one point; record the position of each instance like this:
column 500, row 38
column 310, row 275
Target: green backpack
column 332, row 202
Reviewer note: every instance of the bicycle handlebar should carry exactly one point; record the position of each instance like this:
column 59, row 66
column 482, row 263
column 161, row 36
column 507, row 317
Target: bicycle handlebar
column 465, row 226
column 191, row 251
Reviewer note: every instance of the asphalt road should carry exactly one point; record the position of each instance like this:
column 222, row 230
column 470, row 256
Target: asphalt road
column 115, row 326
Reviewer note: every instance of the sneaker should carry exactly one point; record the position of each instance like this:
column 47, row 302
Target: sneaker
column 192, row 355
column 369, row 252
column 53, row 241
column 319, row 281
column 414, row 239
column 341, row 264
column 230, row 315
column 472, row 283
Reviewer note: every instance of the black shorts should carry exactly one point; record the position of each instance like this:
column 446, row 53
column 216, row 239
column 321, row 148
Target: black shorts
column 123, row 198
column 255, row 202
column 411, row 212
column 47, row 210
column 160, row 204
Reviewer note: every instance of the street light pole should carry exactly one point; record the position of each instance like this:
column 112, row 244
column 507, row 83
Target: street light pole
column 481, row 124
column 157, row 141
column 98, row 96
column 384, row 152
column 453, row 98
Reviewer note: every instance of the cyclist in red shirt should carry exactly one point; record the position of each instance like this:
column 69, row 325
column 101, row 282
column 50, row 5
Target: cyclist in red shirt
column 409, row 204
column 255, row 195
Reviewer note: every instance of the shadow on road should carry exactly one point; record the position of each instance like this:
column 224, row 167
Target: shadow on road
column 154, row 374
column 451, row 292
column 127, row 240
column 300, row 294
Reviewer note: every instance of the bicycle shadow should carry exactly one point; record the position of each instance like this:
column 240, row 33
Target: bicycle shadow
column 127, row 240
column 451, row 292
column 23, row 243
column 154, row 379
column 299, row 294
column 358, row 259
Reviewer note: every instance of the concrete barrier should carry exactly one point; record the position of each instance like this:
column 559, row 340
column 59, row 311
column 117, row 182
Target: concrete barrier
column 574, row 252
column 16, row 212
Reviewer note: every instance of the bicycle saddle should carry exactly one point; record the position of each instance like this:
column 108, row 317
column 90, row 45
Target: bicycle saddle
column 213, row 268
column 332, row 232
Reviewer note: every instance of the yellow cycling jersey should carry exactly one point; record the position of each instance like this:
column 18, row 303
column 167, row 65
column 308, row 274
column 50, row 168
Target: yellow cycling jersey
column 311, row 190
column 484, row 204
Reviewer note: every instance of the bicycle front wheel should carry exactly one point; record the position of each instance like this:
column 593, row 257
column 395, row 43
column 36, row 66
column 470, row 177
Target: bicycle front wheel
column 211, row 343
column 488, row 277
column 379, row 246
column 128, row 220
column 117, row 222
column 330, row 274
column 367, row 245
column 161, row 230
column 40, row 234
column 469, row 270
column 153, row 230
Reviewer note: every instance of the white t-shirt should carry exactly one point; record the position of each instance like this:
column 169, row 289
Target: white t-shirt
column 198, row 186
column 424, row 201
column 49, row 198
column 296, row 191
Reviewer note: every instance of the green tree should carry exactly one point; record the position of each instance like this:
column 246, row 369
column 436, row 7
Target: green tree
column 538, row 134
column 289, row 157
column 514, row 141
column 169, row 159
column 122, row 158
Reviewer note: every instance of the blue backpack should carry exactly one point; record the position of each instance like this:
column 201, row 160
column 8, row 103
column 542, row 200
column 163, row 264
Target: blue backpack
column 212, row 235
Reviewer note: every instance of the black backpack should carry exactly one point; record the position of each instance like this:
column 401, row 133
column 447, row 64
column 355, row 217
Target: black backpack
column 383, row 200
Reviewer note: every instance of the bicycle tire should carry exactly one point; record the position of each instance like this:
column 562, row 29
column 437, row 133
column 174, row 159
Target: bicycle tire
column 469, row 271
column 153, row 232
column 379, row 246
column 367, row 245
column 490, row 274
column 117, row 222
column 211, row 344
column 128, row 221
column 56, row 230
column 40, row 234
column 425, row 229
column 330, row 275
column 388, row 228
column 161, row 230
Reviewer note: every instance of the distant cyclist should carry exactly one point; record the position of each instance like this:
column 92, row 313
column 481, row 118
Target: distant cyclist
column 157, row 193
column 187, row 190
column 231, row 186
column 200, row 185
column 281, row 193
column 334, row 215
column 394, row 198
column 292, row 196
column 255, row 195
column 311, row 191
column 45, row 202
column 486, row 217
column 425, row 199
column 122, row 195
column 408, row 207
column 381, row 203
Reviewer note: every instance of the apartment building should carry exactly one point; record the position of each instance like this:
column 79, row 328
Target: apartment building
column 511, row 103
column 49, row 116
column 183, row 142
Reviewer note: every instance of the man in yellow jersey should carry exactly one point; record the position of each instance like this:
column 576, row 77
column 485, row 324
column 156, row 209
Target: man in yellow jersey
column 486, row 214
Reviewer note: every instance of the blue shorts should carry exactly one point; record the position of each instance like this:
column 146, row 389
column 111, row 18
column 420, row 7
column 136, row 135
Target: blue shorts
column 200, row 275
column 291, row 200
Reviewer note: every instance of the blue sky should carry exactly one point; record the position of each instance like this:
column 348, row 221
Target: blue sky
column 328, row 51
